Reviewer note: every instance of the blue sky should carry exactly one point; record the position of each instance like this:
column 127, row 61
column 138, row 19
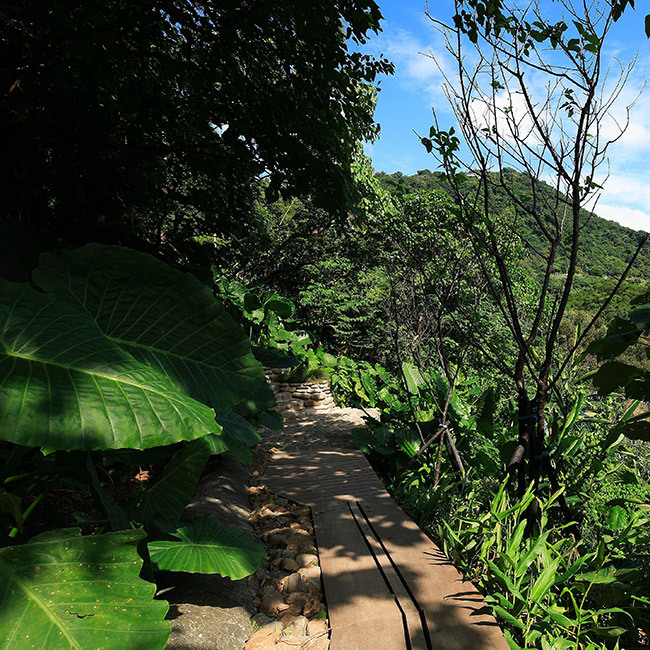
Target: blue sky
column 406, row 99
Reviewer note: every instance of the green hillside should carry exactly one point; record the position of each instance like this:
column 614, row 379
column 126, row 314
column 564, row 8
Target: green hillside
column 605, row 246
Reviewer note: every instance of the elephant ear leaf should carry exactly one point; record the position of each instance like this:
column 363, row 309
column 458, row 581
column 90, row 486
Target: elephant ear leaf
column 164, row 318
column 61, row 591
column 64, row 385
column 207, row 546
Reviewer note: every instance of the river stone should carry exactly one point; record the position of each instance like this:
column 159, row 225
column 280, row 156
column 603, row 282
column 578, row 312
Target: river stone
column 289, row 564
column 307, row 559
column 317, row 627
column 196, row 627
column 297, row 627
column 291, row 583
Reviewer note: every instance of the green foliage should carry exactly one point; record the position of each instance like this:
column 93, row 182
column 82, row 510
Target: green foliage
column 605, row 246
column 615, row 376
column 126, row 352
column 545, row 586
column 548, row 588
column 62, row 590
column 122, row 351
column 164, row 318
column 134, row 119
column 265, row 320
column 78, row 388
column 167, row 497
column 206, row 546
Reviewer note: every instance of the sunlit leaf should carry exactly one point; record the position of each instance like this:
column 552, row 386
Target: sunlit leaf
column 61, row 591
column 207, row 546
column 64, row 385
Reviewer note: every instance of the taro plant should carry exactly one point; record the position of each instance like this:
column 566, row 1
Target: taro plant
column 105, row 351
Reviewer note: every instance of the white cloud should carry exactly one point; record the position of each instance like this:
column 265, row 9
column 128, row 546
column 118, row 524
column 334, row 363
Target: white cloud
column 627, row 188
column 413, row 57
column 635, row 219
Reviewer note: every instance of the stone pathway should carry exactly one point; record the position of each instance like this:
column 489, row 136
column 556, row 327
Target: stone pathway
column 387, row 586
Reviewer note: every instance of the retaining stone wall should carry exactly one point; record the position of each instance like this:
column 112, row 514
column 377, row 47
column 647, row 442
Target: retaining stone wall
column 295, row 398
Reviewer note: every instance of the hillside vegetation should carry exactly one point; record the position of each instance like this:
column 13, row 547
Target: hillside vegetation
column 605, row 246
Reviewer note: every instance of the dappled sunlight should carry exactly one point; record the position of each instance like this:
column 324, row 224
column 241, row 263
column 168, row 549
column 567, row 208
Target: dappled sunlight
column 386, row 583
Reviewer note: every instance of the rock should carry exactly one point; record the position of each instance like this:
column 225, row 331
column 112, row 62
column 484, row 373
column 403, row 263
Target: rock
column 318, row 643
column 291, row 583
column 297, row 598
column 297, row 627
column 311, row 580
column 288, row 553
column 277, row 575
column 290, row 613
column 262, row 621
column 308, row 549
column 273, row 602
column 306, row 559
column 312, row 606
column 302, row 511
column 317, row 627
column 264, row 639
column 289, row 564
column 197, row 626
column 285, row 537
column 309, row 572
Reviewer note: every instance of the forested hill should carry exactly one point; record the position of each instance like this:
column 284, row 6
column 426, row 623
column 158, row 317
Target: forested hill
column 605, row 246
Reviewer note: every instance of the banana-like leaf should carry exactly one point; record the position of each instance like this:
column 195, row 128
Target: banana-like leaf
column 64, row 385
column 62, row 591
column 164, row 318
column 167, row 497
column 637, row 430
column 207, row 546
column 412, row 377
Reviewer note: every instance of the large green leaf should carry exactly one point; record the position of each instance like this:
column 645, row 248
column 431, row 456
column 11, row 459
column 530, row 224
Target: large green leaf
column 164, row 318
column 64, row 385
column 413, row 377
column 207, row 546
column 168, row 496
column 238, row 428
column 63, row 591
column 614, row 374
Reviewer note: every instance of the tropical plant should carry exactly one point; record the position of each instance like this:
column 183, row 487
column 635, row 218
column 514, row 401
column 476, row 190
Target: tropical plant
column 105, row 352
column 615, row 376
column 563, row 124
column 142, row 130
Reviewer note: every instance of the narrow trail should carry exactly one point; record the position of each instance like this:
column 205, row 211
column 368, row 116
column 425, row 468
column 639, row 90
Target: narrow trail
column 387, row 585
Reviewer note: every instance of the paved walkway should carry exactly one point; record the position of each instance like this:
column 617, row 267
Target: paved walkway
column 387, row 585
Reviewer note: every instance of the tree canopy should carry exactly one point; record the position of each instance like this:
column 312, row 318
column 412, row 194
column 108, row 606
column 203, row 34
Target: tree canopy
column 163, row 114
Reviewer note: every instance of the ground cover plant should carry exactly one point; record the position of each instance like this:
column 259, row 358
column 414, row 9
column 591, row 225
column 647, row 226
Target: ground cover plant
column 105, row 352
